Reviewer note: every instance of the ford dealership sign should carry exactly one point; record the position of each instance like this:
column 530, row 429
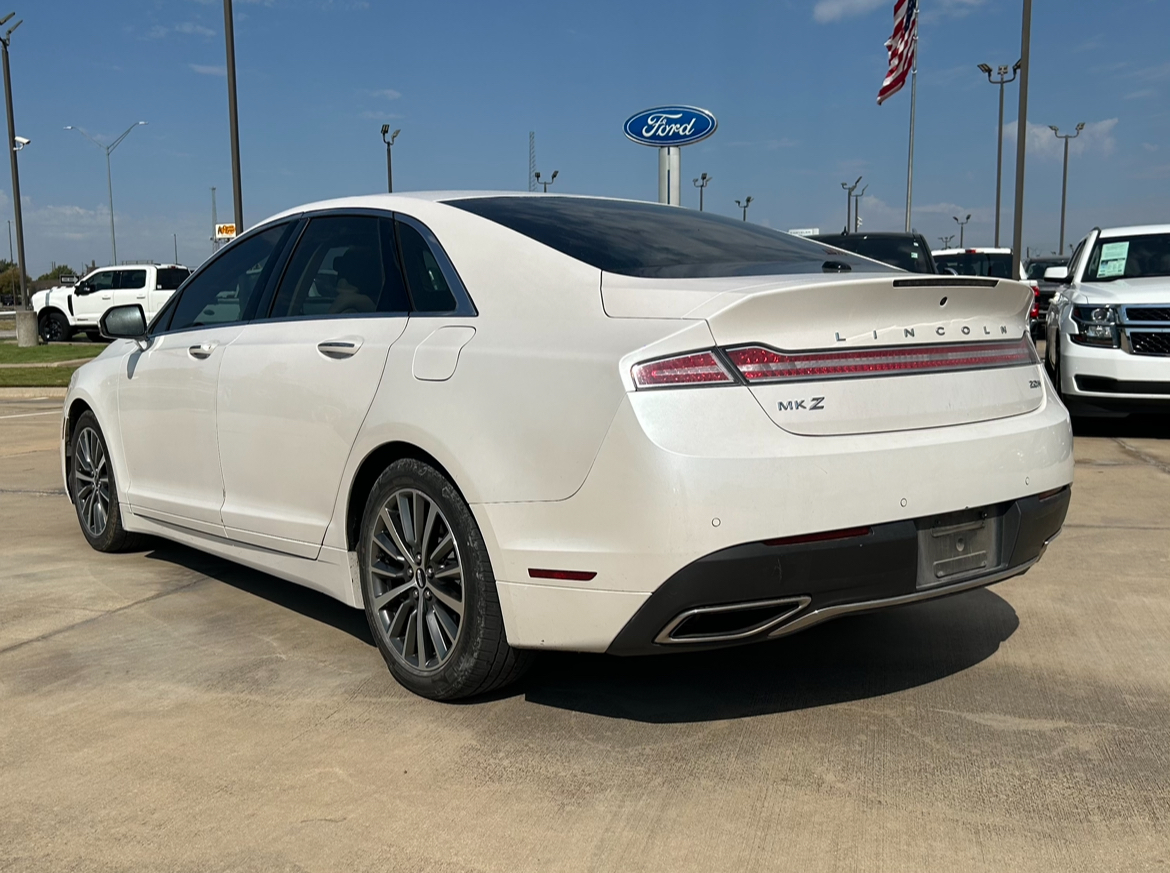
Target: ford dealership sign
column 671, row 126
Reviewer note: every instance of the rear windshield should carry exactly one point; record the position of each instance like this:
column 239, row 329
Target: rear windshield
column 654, row 241
column 906, row 253
column 1035, row 269
column 170, row 278
column 998, row 265
column 1133, row 257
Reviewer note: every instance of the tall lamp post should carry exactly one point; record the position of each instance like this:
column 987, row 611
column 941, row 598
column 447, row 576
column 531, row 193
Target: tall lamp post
column 962, row 226
column 1064, row 185
column 702, row 182
column 1021, row 137
column 389, row 165
column 1002, row 72
column 26, row 334
column 849, row 189
column 551, row 179
column 744, row 206
column 946, row 241
column 109, row 176
column 857, row 209
column 229, row 39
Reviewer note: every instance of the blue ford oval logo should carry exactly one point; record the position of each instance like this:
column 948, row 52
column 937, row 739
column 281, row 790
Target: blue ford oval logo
column 671, row 126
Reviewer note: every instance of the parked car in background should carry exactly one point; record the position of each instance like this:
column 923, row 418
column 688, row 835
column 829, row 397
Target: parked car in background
column 908, row 251
column 67, row 309
column 1034, row 270
column 510, row 422
column 1108, row 327
column 992, row 262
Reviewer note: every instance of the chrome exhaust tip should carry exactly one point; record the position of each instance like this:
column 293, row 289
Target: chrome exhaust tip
column 730, row 621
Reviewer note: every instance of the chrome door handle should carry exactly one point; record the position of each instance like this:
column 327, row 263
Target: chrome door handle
column 338, row 349
column 202, row 351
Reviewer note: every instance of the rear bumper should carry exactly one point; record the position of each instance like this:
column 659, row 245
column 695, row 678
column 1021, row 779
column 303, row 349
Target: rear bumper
column 757, row 591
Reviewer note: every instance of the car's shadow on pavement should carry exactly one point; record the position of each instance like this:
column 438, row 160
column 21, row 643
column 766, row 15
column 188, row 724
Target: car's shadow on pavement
column 1155, row 427
column 852, row 658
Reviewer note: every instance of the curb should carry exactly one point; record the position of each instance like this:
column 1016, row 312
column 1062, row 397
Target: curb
column 32, row 393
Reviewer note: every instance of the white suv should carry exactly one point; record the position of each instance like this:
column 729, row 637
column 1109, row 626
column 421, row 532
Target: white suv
column 1108, row 326
column 67, row 309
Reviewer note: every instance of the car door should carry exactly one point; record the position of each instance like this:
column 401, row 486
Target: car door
column 130, row 287
column 94, row 295
column 167, row 394
column 297, row 383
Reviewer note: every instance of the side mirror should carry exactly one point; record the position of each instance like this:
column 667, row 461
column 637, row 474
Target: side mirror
column 1056, row 274
column 124, row 322
column 82, row 288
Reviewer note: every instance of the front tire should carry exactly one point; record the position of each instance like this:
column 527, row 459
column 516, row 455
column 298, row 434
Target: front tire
column 54, row 327
column 429, row 591
column 94, row 491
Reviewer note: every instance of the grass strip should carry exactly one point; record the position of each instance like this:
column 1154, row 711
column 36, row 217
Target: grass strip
column 11, row 353
column 35, row 377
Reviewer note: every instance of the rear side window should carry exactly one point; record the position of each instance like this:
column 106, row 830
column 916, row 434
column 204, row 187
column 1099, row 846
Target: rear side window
column 170, row 278
column 343, row 265
column 130, row 280
column 655, row 241
column 428, row 286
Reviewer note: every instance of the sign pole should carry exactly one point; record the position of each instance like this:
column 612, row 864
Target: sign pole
column 668, row 128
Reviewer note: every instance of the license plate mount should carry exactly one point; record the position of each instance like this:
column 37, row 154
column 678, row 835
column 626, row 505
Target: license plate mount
column 958, row 546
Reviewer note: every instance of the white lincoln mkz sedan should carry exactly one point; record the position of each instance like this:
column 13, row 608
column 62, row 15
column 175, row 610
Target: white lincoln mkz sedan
column 501, row 423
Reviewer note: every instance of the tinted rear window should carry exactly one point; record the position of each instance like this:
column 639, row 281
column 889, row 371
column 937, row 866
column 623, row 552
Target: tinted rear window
column 170, row 278
column 998, row 265
column 654, row 241
column 904, row 252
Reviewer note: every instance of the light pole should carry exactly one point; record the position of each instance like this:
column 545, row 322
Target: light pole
column 744, row 206
column 229, row 38
column 946, row 241
column 962, row 227
column 857, row 209
column 1021, row 136
column 389, row 166
column 849, row 189
column 1064, row 185
column 109, row 176
column 15, row 145
column 702, row 182
column 551, row 179
column 1002, row 72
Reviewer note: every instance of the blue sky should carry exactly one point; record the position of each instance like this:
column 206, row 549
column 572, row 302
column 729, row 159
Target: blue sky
column 793, row 83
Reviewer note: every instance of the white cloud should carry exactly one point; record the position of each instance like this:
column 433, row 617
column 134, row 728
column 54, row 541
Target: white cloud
column 208, row 69
column 1143, row 93
column 1149, row 147
column 1096, row 137
column 827, row 11
column 193, row 28
column 372, row 115
column 388, row 93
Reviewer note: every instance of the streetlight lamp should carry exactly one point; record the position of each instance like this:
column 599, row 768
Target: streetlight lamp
column 1001, row 71
column 15, row 144
column 1064, row 185
column 744, row 206
column 109, row 176
column 551, row 179
column 857, row 209
column 702, row 182
column 962, row 227
column 849, row 189
column 946, row 241
column 389, row 166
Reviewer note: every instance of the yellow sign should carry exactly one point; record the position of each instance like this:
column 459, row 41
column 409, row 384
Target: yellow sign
column 225, row 231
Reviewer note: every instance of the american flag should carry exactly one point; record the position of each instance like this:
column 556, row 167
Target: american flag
column 902, row 46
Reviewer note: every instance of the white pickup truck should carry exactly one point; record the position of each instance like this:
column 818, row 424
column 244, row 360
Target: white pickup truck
column 66, row 309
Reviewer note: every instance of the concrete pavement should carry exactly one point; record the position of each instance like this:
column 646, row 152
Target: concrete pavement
column 165, row 710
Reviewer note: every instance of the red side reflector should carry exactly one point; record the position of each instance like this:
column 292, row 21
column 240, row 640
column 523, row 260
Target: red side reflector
column 565, row 575
column 1052, row 493
column 696, row 368
column 846, row 533
column 761, row 364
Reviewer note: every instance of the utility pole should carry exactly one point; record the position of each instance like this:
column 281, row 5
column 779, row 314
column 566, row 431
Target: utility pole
column 849, row 189
column 229, row 35
column 744, row 206
column 1002, row 72
column 857, row 209
column 1064, row 185
column 1021, row 137
column 389, row 166
column 962, row 226
column 701, row 183
column 24, row 338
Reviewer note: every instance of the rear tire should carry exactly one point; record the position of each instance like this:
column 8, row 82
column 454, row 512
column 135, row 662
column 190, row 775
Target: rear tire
column 94, row 491
column 429, row 591
column 54, row 327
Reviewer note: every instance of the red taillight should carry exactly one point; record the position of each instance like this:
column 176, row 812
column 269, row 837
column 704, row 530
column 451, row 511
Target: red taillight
column 696, row 368
column 759, row 364
column 845, row 534
column 564, row 575
column 1035, row 301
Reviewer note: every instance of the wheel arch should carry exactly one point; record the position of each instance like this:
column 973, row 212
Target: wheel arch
column 367, row 474
column 77, row 408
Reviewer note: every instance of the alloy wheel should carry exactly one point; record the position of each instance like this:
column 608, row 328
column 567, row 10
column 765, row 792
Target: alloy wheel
column 416, row 572
column 92, row 477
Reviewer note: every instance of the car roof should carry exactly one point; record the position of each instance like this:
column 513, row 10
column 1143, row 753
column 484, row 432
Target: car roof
column 973, row 250
column 877, row 234
column 1135, row 230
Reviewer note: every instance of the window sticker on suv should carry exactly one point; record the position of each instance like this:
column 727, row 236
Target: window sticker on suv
column 1113, row 258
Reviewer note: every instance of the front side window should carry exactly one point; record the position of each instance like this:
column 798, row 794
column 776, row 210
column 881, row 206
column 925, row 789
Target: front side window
column 130, row 280
column 222, row 290
column 343, row 265
column 1132, row 257
column 104, row 281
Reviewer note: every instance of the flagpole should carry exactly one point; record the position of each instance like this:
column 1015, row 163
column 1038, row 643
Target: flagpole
column 913, row 101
